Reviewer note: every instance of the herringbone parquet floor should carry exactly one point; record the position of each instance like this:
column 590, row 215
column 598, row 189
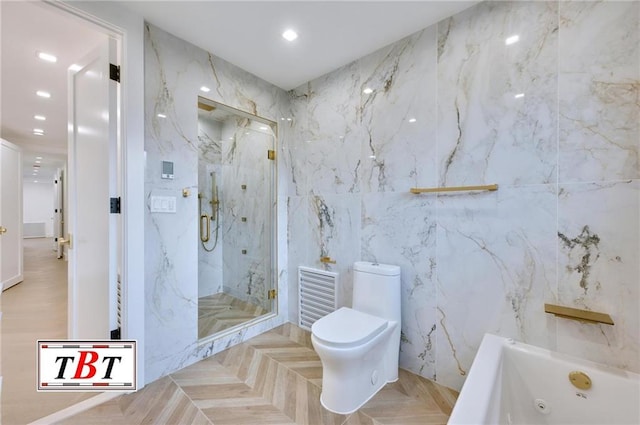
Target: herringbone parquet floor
column 222, row 311
column 274, row 378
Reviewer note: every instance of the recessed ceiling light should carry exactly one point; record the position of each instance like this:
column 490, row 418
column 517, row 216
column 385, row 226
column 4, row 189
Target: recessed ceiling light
column 75, row 67
column 289, row 35
column 367, row 90
column 412, row 120
column 205, row 89
column 162, row 116
column 264, row 128
column 288, row 119
column 519, row 96
column 43, row 93
column 35, row 181
column 512, row 39
column 40, row 117
column 38, row 130
column 38, row 157
column 38, row 161
column 47, row 57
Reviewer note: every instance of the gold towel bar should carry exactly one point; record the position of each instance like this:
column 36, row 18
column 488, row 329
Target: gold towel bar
column 490, row 187
column 578, row 314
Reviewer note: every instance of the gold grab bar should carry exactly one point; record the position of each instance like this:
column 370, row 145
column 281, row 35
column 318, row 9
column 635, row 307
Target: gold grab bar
column 578, row 314
column 205, row 237
column 416, row 190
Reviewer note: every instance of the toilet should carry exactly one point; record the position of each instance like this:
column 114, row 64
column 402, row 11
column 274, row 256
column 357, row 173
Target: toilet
column 359, row 346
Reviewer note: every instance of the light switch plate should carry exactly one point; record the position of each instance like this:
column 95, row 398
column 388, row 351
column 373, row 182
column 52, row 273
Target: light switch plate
column 163, row 204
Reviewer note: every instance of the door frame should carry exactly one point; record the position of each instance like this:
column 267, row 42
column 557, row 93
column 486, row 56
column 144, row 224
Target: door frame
column 14, row 280
column 128, row 28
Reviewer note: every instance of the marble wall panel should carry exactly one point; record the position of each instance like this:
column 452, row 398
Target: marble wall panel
column 495, row 267
column 327, row 148
column 557, row 106
column 398, row 136
column 497, row 101
column 174, row 72
column 598, row 228
column 400, row 229
column 599, row 87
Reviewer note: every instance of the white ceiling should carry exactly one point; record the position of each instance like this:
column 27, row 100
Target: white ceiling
column 245, row 33
column 26, row 29
column 331, row 33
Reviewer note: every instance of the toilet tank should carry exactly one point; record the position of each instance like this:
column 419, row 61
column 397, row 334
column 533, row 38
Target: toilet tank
column 376, row 289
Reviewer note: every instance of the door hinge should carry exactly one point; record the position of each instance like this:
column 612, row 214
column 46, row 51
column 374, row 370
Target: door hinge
column 272, row 294
column 114, row 72
column 271, row 154
column 114, row 205
column 115, row 334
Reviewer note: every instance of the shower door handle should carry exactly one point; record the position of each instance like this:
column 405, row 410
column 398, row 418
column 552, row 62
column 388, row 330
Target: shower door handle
column 204, row 237
column 3, row 230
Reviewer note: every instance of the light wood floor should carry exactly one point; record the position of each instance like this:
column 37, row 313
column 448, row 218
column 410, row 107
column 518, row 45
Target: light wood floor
column 274, row 378
column 222, row 311
column 34, row 309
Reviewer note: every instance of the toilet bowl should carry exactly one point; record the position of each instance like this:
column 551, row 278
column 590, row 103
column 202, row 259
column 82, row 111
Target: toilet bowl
column 359, row 346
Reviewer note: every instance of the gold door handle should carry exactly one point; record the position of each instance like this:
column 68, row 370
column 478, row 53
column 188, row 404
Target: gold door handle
column 3, row 230
column 67, row 241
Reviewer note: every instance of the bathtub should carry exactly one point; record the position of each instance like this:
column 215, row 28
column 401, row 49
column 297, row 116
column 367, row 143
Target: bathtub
column 512, row 383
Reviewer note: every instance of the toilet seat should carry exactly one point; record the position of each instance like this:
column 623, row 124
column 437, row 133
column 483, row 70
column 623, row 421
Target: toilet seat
column 346, row 328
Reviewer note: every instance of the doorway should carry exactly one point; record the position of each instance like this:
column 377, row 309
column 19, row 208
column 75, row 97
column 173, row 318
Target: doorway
column 34, row 104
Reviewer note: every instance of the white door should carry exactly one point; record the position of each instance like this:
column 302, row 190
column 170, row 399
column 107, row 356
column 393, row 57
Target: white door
column 11, row 267
column 91, row 182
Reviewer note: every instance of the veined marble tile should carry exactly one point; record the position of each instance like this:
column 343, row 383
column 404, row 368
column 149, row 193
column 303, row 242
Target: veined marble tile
column 496, row 267
column 598, row 228
column 497, row 101
column 335, row 232
column 325, row 226
column 599, row 87
column 174, row 72
column 327, row 143
column 298, row 235
column 400, row 229
column 398, row 135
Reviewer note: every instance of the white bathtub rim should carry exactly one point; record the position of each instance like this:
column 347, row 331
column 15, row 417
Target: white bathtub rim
column 475, row 397
column 473, row 401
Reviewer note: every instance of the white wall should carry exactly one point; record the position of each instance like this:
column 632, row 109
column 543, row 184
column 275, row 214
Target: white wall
column 37, row 201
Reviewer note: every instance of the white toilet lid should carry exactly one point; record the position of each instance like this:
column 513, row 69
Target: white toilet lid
column 347, row 327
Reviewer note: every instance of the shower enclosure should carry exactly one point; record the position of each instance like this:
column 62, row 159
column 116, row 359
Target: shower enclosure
column 236, row 201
